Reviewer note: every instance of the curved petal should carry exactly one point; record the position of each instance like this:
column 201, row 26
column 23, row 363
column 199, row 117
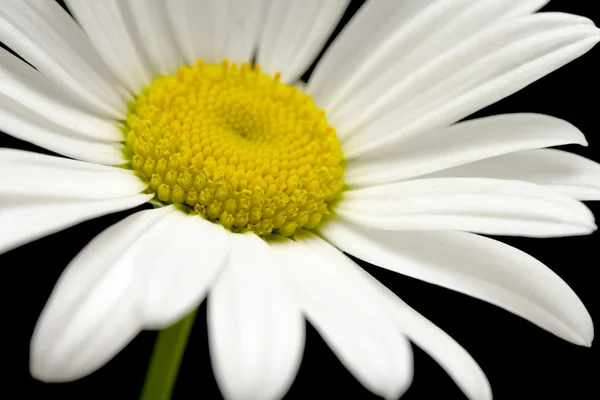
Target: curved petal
column 349, row 315
column 482, row 70
column 25, row 222
column 181, row 259
column 18, row 121
column 18, row 158
column 27, row 87
column 463, row 143
column 215, row 29
column 44, row 34
column 92, row 312
column 450, row 355
column 566, row 172
column 454, row 359
column 294, row 34
column 488, row 206
column 33, row 182
column 154, row 27
column 477, row 266
column 380, row 41
column 256, row 331
column 110, row 26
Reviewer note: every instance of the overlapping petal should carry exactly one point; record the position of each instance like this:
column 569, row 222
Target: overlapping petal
column 350, row 317
column 475, row 265
column 295, row 32
column 463, row 143
column 41, row 195
column 256, row 330
column 566, row 172
column 119, row 285
column 481, row 205
column 45, row 35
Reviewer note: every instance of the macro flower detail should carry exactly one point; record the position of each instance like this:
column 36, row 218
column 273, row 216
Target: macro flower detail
column 257, row 183
column 237, row 147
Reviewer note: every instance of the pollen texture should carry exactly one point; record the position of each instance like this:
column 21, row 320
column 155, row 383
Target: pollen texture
column 237, row 147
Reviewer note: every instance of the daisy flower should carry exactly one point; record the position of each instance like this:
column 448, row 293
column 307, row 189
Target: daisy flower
column 259, row 183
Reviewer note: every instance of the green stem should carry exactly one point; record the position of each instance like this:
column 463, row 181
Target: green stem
column 166, row 358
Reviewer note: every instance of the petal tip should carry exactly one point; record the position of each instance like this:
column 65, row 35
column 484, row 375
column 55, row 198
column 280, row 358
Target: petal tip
column 595, row 34
column 40, row 371
column 583, row 341
column 41, row 366
column 583, row 333
column 587, row 338
column 37, row 371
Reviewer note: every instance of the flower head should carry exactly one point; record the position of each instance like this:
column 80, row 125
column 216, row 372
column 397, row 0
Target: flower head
column 260, row 182
column 237, row 147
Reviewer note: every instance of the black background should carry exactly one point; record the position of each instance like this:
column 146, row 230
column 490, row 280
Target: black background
column 520, row 360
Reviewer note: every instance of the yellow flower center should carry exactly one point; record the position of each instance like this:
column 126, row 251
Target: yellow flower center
column 237, row 147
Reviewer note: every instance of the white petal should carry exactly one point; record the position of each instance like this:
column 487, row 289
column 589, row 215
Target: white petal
column 240, row 34
column 380, row 41
column 566, row 172
column 256, row 330
column 294, row 34
column 25, row 222
column 215, row 29
column 463, row 143
column 475, row 265
column 47, row 37
column 453, row 358
column 110, row 26
column 349, row 315
column 380, row 19
column 62, row 179
column 456, row 21
column 17, row 120
column 154, row 27
column 450, row 355
column 92, row 312
column 488, row 206
column 482, row 70
column 16, row 158
column 26, row 86
column 181, row 258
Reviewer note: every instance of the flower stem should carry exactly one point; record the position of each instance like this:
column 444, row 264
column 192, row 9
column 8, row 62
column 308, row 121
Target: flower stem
column 166, row 358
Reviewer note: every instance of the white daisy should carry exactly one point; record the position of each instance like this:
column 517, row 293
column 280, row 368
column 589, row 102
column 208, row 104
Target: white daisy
column 255, row 198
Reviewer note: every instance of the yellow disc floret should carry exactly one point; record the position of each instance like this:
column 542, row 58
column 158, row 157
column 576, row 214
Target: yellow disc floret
column 237, row 147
